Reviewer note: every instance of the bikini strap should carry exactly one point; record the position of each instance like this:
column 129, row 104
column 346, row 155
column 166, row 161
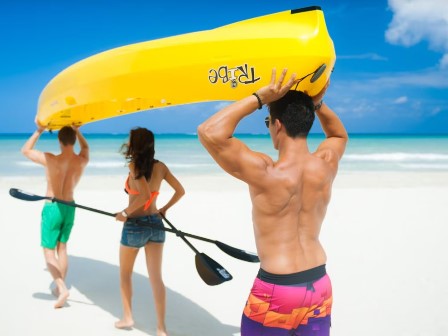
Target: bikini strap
column 128, row 189
column 154, row 194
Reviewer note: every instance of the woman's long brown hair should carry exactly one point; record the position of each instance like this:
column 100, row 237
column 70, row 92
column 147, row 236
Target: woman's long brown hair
column 140, row 151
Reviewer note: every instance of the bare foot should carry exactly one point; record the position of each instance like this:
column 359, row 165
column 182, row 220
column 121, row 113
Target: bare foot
column 60, row 302
column 124, row 324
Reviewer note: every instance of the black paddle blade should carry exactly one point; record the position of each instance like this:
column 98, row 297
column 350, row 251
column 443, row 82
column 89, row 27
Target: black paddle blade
column 320, row 70
column 210, row 271
column 237, row 253
column 23, row 195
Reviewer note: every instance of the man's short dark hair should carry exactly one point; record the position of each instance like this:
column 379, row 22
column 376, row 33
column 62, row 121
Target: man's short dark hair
column 295, row 110
column 67, row 136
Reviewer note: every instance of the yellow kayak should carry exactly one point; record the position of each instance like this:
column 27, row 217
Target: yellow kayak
column 222, row 64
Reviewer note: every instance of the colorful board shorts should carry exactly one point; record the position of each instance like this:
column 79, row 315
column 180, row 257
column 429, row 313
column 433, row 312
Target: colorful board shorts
column 137, row 232
column 56, row 224
column 296, row 304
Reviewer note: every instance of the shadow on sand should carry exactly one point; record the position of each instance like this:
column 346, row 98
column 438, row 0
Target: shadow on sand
column 99, row 282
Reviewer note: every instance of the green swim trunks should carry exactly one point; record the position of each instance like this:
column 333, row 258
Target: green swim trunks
column 56, row 225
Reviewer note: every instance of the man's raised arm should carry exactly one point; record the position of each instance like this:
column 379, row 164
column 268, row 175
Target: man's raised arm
column 332, row 126
column 84, row 146
column 216, row 133
column 28, row 148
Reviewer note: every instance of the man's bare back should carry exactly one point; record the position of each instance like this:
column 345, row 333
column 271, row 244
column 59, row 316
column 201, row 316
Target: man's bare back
column 287, row 212
column 63, row 173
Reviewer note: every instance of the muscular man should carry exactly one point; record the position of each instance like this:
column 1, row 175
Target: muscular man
column 63, row 172
column 292, row 292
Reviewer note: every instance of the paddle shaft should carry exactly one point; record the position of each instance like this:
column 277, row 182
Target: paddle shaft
column 232, row 251
column 54, row 199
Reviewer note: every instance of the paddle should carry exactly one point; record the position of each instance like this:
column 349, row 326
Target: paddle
column 209, row 270
column 230, row 250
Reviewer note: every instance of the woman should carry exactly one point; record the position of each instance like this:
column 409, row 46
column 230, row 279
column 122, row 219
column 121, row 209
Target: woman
column 140, row 216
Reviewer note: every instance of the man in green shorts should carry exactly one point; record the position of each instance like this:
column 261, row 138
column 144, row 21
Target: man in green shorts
column 63, row 172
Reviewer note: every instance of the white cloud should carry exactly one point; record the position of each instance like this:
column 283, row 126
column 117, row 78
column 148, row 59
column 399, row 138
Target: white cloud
column 444, row 62
column 363, row 107
column 436, row 111
column 420, row 20
column 401, row 100
column 368, row 56
column 368, row 96
column 380, row 83
column 423, row 79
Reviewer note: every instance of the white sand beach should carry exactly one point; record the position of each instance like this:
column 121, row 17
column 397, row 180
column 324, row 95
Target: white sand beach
column 385, row 236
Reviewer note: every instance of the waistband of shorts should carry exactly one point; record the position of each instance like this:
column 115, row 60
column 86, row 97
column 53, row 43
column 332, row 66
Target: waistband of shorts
column 152, row 219
column 54, row 203
column 311, row 274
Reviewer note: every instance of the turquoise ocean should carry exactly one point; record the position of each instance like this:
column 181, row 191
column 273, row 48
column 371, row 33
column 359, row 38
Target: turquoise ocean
column 184, row 154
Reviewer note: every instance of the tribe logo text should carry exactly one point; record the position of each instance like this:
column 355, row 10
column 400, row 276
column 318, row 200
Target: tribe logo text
column 241, row 74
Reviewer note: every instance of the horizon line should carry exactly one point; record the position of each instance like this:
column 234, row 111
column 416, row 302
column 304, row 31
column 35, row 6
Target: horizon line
column 252, row 134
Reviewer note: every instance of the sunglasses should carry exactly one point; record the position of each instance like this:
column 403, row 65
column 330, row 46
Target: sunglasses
column 267, row 121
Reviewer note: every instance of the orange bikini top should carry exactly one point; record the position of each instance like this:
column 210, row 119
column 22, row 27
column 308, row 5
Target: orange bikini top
column 130, row 191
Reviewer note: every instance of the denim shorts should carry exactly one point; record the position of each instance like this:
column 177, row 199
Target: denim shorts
column 137, row 232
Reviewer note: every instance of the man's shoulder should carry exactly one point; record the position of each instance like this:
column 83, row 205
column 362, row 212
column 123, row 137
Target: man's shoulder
column 50, row 155
column 264, row 157
column 327, row 160
column 82, row 157
column 328, row 155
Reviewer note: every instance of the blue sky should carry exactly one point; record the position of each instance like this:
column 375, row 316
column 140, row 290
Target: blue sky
column 391, row 73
